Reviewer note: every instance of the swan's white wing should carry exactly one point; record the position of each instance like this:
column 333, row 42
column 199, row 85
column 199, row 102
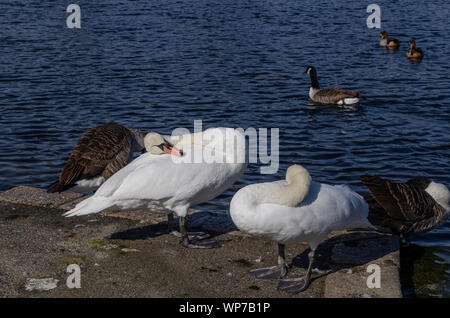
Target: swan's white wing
column 115, row 181
column 152, row 177
column 163, row 178
column 326, row 208
column 329, row 208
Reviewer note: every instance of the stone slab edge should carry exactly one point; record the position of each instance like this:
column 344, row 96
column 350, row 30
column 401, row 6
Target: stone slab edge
column 351, row 282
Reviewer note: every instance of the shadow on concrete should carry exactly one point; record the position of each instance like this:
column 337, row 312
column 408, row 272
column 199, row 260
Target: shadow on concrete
column 346, row 251
column 212, row 223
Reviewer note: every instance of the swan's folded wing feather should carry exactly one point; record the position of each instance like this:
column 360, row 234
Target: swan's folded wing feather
column 155, row 177
column 120, row 177
column 155, row 180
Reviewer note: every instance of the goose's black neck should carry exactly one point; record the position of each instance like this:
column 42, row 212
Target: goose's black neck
column 314, row 81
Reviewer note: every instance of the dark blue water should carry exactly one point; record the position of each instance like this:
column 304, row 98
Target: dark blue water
column 159, row 65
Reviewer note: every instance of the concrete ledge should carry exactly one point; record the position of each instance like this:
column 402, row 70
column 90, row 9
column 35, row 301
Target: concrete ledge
column 158, row 266
column 38, row 197
column 352, row 254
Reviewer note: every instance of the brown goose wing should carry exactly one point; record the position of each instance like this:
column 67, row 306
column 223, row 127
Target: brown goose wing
column 103, row 150
column 333, row 95
column 380, row 192
column 413, row 202
column 379, row 217
column 401, row 201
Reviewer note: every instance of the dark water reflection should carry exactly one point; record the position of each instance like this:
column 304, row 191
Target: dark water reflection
column 158, row 65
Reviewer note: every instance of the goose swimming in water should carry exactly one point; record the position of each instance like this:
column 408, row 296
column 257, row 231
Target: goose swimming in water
column 414, row 52
column 295, row 210
column 330, row 96
column 416, row 206
column 156, row 177
column 100, row 153
column 387, row 41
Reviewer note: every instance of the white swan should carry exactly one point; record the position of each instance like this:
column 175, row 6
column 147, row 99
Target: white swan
column 156, row 177
column 295, row 210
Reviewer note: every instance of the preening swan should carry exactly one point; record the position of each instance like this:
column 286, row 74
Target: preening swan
column 416, row 206
column 336, row 96
column 295, row 210
column 100, row 153
column 176, row 183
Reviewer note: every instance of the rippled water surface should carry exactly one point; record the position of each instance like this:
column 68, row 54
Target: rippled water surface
column 158, row 65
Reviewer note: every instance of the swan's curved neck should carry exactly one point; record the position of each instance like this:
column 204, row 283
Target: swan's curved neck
column 290, row 194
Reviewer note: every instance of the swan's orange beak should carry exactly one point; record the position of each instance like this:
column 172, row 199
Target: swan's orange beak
column 172, row 150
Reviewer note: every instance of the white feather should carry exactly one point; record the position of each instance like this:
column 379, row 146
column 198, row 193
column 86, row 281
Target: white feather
column 325, row 208
column 151, row 179
column 440, row 194
column 349, row 101
column 87, row 185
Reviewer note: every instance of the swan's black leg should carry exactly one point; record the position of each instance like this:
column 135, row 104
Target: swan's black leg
column 187, row 242
column 171, row 225
column 174, row 231
column 273, row 272
column 296, row 285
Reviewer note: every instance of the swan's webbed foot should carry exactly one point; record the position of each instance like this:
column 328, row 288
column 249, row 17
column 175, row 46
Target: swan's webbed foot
column 297, row 285
column 273, row 272
column 192, row 235
column 186, row 242
column 294, row 285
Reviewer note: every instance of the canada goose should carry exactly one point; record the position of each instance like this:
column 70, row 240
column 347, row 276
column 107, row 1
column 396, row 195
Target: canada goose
column 416, row 206
column 336, row 96
column 413, row 52
column 177, row 185
column 295, row 210
column 388, row 42
column 100, row 153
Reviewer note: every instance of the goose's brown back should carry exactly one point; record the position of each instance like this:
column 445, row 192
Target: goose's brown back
column 403, row 207
column 333, row 95
column 102, row 151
